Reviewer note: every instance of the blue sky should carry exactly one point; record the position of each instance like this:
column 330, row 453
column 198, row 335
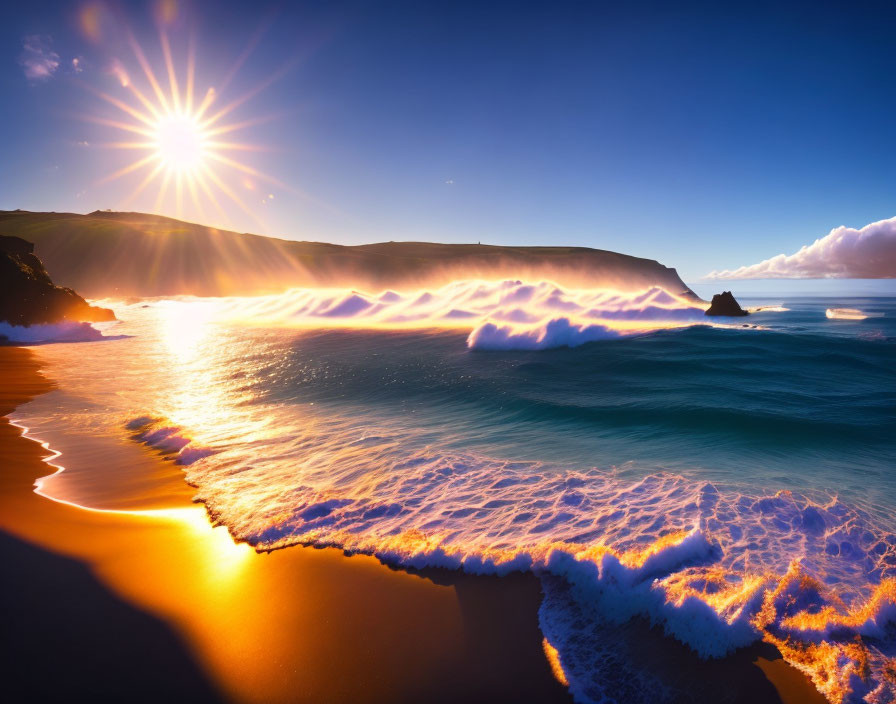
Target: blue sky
column 705, row 135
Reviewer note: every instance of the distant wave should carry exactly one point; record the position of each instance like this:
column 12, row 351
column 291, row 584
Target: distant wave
column 67, row 331
column 768, row 309
column 849, row 314
column 508, row 314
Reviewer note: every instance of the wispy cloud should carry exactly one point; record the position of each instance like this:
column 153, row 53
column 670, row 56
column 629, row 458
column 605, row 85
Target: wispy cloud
column 37, row 59
column 117, row 69
column 845, row 253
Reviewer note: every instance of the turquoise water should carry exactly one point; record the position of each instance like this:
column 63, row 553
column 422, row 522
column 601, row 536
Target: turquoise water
column 806, row 402
column 729, row 483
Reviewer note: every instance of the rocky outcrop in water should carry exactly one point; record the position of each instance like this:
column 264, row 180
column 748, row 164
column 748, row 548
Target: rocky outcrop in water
column 28, row 296
column 725, row 304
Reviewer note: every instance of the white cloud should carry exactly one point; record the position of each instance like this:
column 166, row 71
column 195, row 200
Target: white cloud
column 845, row 253
column 38, row 60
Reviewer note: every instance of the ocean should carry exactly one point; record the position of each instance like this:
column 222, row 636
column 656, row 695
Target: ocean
column 728, row 480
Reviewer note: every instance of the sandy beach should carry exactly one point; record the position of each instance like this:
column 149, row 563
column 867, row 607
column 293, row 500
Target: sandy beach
column 157, row 603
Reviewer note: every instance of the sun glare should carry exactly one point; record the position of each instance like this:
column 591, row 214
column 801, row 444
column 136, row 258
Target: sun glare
column 186, row 142
column 180, row 142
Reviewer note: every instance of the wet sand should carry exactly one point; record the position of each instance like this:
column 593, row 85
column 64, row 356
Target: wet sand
column 154, row 604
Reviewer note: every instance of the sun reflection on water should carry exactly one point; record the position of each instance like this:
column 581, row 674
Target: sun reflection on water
column 185, row 326
column 199, row 400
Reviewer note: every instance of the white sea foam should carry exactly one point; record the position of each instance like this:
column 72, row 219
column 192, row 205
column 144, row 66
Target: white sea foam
column 168, row 439
column 849, row 314
column 714, row 566
column 499, row 314
column 559, row 332
column 768, row 309
column 67, row 331
column 715, row 569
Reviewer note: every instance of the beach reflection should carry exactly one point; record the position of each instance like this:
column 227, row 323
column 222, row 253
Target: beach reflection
column 292, row 625
column 267, row 627
column 297, row 624
column 286, row 626
column 223, row 560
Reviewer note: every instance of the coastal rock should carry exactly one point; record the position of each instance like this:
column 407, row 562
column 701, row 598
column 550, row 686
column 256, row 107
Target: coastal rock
column 725, row 304
column 29, row 297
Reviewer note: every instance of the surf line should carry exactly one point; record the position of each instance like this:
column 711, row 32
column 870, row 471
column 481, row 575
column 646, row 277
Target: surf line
column 192, row 517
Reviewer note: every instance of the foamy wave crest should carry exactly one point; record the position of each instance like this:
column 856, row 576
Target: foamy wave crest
column 167, row 438
column 849, row 314
column 716, row 569
column 67, row 331
column 559, row 332
column 500, row 314
column 768, row 309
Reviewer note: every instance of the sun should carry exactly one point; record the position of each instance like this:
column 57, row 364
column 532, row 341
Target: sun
column 180, row 142
column 186, row 144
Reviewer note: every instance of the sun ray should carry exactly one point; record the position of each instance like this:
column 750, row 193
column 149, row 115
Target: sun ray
column 124, row 145
column 133, row 112
column 186, row 156
column 230, row 194
column 147, row 70
column 197, row 201
column 233, row 163
column 172, row 77
column 191, row 76
column 237, row 146
column 163, row 189
column 273, row 78
column 224, row 188
column 120, row 125
column 178, row 193
column 139, row 164
column 200, row 179
column 206, row 103
column 143, row 184
column 235, row 126
column 212, row 94
column 146, row 102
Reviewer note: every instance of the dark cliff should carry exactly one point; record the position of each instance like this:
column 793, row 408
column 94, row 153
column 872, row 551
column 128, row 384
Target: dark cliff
column 27, row 294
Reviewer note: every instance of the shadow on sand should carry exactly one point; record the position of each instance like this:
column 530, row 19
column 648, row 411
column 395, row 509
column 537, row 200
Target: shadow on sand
column 66, row 637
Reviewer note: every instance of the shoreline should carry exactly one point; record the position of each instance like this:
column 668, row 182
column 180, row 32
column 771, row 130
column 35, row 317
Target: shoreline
column 293, row 625
column 301, row 624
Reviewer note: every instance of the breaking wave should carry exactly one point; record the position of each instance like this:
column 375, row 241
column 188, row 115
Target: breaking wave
column 500, row 314
column 167, row 438
column 768, row 309
column 404, row 445
column 67, row 331
column 716, row 569
column 849, row 314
